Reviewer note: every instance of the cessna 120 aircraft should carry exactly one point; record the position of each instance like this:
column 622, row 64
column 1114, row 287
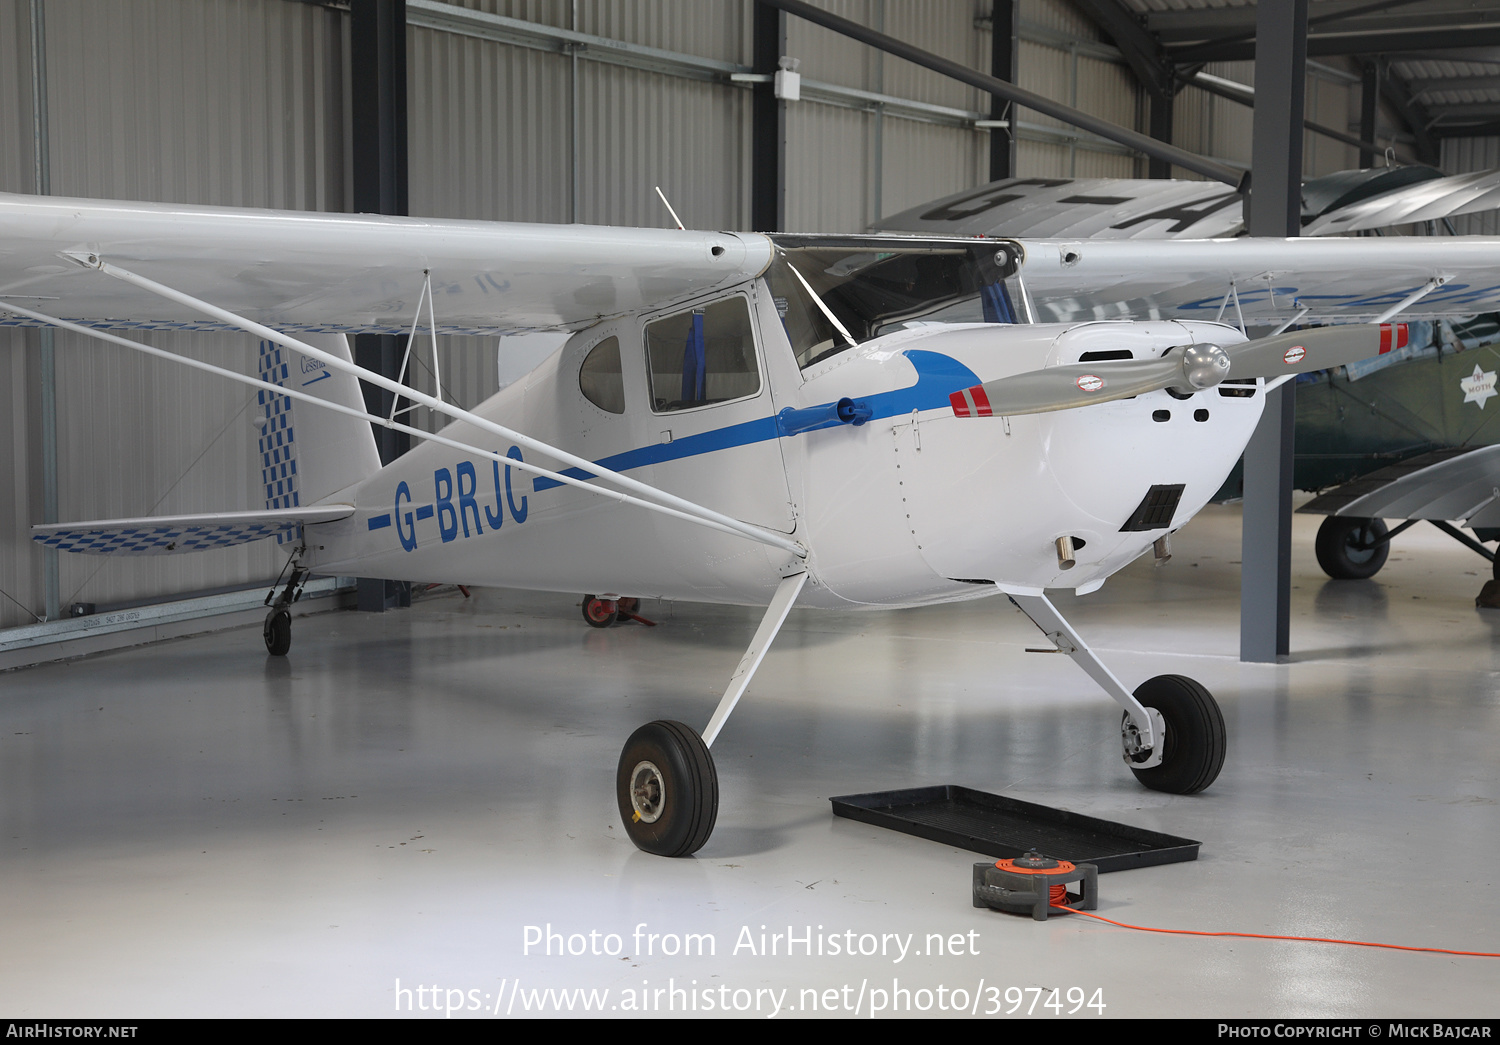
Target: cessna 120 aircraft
column 840, row 421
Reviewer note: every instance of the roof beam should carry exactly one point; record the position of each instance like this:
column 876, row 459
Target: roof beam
column 1215, row 23
column 1019, row 95
column 1476, row 34
column 1454, row 83
column 1199, row 52
column 1142, row 52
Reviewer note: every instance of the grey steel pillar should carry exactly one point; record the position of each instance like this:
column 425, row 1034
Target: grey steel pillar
column 377, row 46
column 767, row 124
column 1369, row 109
column 1161, row 129
column 1003, row 37
column 1275, row 210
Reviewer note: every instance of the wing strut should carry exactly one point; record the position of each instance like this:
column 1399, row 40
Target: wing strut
column 683, row 505
column 742, row 530
column 781, row 604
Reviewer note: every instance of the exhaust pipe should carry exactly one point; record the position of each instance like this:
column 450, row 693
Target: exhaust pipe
column 1067, row 556
column 1162, row 547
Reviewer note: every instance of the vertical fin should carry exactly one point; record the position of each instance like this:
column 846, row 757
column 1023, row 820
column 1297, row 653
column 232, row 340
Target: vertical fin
column 309, row 454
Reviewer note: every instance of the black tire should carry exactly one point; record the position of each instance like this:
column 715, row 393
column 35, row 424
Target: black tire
column 1194, row 747
column 667, row 774
column 597, row 612
column 1352, row 549
column 278, row 632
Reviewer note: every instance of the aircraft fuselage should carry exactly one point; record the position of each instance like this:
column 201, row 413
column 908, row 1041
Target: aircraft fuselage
column 914, row 505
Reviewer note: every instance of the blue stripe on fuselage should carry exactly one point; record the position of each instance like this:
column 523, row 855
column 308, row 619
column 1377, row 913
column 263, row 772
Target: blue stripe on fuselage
column 938, row 376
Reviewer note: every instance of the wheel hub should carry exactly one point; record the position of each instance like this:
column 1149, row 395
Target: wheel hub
column 1138, row 756
column 648, row 792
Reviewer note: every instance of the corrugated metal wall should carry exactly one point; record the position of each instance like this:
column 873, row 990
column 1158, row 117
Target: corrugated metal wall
column 220, row 102
column 244, row 102
column 20, row 568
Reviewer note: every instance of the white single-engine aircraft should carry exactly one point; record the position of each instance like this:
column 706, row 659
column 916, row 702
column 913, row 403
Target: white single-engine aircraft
column 848, row 421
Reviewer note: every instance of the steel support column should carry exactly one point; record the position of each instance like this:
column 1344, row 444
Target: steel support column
column 377, row 45
column 767, row 123
column 1275, row 210
column 1161, row 130
column 1004, row 35
column 1369, row 110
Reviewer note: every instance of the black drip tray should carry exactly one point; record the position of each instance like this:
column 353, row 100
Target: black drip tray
column 1005, row 827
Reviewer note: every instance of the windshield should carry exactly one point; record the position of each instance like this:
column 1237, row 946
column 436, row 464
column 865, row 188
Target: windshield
column 873, row 286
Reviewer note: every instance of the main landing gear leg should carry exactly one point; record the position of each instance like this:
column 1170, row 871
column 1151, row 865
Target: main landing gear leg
column 1172, row 731
column 666, row 785
column 277, row 630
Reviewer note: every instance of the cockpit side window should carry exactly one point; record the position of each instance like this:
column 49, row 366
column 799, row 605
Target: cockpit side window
column 600, row 379
column 706, row 355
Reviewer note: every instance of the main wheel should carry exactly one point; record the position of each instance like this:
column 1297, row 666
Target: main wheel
column 277, row 632
column 668, row 789
column 1193, row 749
column 1351, row 549
column 600, row 613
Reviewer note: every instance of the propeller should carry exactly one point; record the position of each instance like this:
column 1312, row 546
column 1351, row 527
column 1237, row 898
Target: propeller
column 1184, row 369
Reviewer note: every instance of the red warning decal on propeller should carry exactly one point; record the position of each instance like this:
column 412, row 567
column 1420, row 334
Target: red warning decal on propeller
column 1090, row 383
column 971, row 402
column 1392, row 335
column 1294, row 355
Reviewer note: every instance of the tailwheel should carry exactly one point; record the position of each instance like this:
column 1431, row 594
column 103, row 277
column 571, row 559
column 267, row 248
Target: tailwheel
column 600, row 613
column 1194, row 744
column 277, row 632
column 667, row 789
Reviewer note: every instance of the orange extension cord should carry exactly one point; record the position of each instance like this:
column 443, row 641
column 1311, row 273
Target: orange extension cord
column 1059, row 893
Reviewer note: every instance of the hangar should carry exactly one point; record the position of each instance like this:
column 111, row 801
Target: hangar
column 197, row 829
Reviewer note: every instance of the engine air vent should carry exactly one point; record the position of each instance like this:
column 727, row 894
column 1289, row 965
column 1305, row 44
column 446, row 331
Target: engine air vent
column 1156, row 509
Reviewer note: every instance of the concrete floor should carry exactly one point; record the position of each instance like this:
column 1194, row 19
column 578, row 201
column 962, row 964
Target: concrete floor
column 191, row 828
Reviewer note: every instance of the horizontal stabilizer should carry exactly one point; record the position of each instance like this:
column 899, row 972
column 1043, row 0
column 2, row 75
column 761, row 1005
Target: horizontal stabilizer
column 166, row 534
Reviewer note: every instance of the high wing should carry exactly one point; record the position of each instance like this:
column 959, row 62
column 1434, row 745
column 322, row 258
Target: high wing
column 1089, row 208
column 353, row 273
column 1151, row 209
column 300, row 271
column 1268, row 281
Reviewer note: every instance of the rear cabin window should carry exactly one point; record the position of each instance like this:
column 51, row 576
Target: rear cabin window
column 600, row 379
column 703, row 356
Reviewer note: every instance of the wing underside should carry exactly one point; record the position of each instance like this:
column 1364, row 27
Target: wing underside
column 351, row 273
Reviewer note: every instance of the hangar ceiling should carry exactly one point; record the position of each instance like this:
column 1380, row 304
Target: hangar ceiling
column 1435, row 64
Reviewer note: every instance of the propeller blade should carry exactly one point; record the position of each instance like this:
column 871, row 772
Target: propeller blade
column 1189, row 368
column 1303, row 351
